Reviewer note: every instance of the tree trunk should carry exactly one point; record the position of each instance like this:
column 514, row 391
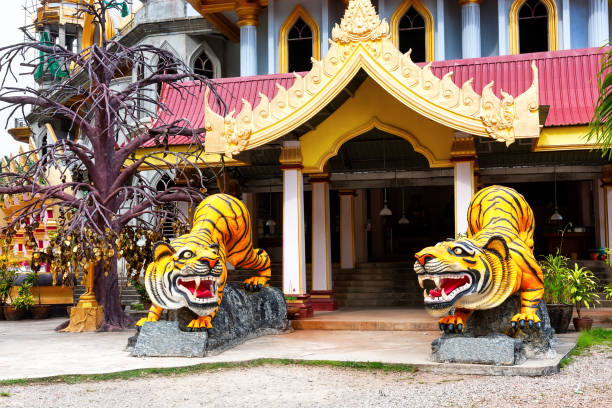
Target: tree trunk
column 108, row 295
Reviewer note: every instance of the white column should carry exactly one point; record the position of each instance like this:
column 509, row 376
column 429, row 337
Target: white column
column 347, row 229
column 599, row 204
column 360, row 220
column 598, row 23
column 439, row 48
column 566, row 25
column 464, row 190
column 470, row 28
column 248, row 50
column 608, row 214
column 272, row 38
column 321, row 235
column 294, row 259
column 502, row 27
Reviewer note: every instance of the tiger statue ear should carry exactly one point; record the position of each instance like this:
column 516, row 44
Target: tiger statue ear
column 498, row 246
column 161, row 250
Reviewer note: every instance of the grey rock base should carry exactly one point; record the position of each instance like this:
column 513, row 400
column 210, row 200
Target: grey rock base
column 490, row 339
column 496, row 349
column 241, row 316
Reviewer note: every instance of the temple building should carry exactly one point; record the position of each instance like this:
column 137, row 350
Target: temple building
column 357, row 131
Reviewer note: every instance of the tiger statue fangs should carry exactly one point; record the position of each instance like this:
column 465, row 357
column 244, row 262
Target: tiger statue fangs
column 191, row 271
column 481, row 271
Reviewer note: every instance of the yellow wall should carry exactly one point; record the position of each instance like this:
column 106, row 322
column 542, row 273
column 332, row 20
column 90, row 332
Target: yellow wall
column 563, row 138
column 370, row 107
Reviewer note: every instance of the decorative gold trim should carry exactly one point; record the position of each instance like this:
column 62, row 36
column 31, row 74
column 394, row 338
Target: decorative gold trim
column 438, row 99
column 224, row 25
column 248, row 13
column 375, row 123
column 553, row 34
column 291, row 154
column 283, row 45
column 462, row 2
column 463, row 149
column 21, row 134
column 429, row 25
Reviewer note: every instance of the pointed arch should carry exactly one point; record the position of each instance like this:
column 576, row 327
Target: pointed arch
column 429, row 25
column 553, row 34
column 205, row 48
column 283, row 39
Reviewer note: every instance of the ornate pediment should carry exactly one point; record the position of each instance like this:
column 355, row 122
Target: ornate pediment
column 362, row 41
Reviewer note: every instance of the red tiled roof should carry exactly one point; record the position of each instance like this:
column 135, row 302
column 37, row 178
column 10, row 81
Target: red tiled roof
column 566, row 78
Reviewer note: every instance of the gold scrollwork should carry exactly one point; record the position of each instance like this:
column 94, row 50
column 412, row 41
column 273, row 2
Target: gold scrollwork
column 362, row 41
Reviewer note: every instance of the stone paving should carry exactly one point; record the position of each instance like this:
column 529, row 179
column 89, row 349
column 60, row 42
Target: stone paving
column 32, row 348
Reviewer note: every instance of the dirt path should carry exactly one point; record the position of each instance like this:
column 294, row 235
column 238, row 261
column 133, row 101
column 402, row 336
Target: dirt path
column 585, row 383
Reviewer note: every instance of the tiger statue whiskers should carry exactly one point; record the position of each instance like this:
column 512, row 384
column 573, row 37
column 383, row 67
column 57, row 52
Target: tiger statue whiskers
column 191, row 271
column 481, row 271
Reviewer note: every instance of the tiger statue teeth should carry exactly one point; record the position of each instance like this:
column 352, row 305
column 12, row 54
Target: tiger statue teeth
column 481, row 271
column 191, row 271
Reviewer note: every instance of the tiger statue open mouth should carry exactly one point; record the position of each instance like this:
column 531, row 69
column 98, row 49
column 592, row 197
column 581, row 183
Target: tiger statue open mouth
column 191, row 270
column 481, row 271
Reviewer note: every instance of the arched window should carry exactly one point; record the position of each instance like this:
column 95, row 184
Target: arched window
column 299, row 47
column 298, row 42
column 203, row 65
column 533, row 26
column 412, row 35
column 412, row 29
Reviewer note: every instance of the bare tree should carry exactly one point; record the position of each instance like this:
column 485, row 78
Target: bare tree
column 102, row 195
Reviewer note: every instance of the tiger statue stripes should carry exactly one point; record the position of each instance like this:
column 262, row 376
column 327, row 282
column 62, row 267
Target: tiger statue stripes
column 481, row 271
column 191, row 270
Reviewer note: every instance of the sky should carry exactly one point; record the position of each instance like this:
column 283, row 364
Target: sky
column 11, row 18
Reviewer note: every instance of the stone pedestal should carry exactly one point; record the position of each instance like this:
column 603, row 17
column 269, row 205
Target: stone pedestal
column 489, row 338
column 241, row 316
column 85, row 319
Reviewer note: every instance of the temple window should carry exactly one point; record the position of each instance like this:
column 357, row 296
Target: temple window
column 533, row 26
column 299, row 46
column 204, row 66
column 298, row 42
column 163, row 69
column 412, row 29
column 412, row 34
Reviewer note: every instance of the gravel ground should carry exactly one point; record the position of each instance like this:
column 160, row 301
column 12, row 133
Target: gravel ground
column 585, row 383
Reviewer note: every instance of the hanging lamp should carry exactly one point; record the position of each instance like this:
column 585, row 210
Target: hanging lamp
column 556, row 216
column 270, row 223
column 385, row 211
column 403, row 220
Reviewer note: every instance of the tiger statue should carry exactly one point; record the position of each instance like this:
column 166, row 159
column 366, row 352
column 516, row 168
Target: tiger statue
column 481, row 271
column 191, row 270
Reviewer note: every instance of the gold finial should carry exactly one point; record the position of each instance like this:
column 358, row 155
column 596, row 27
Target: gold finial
column 360, row 23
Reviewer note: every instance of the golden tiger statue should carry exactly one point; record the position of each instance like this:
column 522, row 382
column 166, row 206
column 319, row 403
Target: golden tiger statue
column 481, row 271
column 191, row 271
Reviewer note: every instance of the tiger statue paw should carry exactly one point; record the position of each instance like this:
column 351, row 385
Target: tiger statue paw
column 191, row 270
column 454, row 323
column 528, row 317
column 153, row 316
column 255, row 283
column 202, row 323
column 481, row 271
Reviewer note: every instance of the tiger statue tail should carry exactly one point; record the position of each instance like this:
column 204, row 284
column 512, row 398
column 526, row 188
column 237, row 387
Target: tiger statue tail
column 191, row 271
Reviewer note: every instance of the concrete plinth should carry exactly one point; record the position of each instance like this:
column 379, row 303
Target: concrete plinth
column 495, row 349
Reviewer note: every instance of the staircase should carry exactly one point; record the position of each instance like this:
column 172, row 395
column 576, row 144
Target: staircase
column 378, row 285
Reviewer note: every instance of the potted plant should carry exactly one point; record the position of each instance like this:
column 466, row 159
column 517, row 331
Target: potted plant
column 7, row 276
column 142, row 292
column 582, row 284
column 21, row 303
column 556, row 292
column 39, row 311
